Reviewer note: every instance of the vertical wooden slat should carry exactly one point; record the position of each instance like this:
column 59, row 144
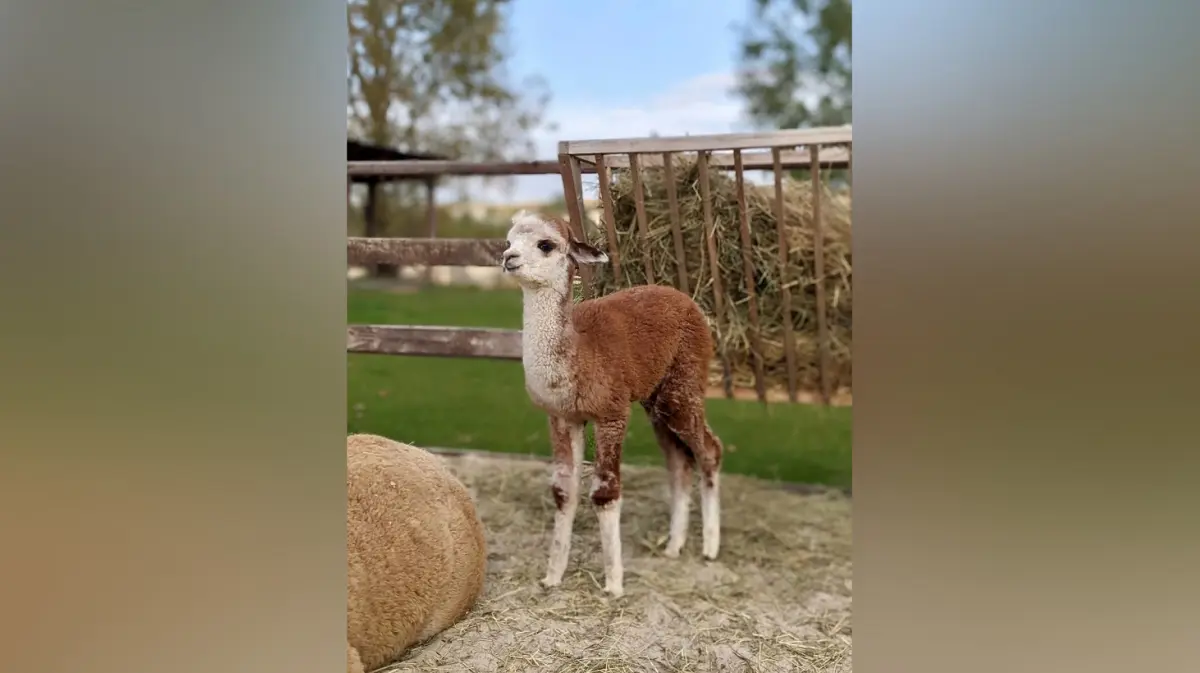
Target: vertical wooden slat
column 371, row 227
column 574, row 207
column 610, row 226
column 430, row 221
column 570, row 194
column 748, row 274
column 789, row 336
column 850, row 167
column 676, row 229
column 819, row 269
column 586, row 277
column 577, row 176
column 713, row 265
column 431, row 207
column 639, row 204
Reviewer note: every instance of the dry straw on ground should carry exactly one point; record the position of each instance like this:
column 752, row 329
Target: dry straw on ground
column 777, row 599
column 733, row 334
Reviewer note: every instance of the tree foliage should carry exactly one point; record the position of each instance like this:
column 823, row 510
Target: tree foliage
column 796, row 63
column 429, row 75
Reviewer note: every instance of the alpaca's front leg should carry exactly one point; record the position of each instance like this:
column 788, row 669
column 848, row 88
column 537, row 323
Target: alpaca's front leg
column 606, row 496
column 567, row 442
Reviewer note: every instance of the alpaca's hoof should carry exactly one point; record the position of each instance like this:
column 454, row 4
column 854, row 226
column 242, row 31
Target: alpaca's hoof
column 549, row 582
column 672, row 552
column 614, row 590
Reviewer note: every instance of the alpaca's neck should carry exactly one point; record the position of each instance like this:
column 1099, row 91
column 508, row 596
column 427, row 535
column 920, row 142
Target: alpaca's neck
column 548, row 349
column 546, row 325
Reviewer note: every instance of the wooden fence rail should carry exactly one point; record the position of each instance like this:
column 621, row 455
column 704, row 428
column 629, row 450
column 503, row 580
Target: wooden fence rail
column 835, row 157
column 455, row 342
column 830, row 157
column 425, row 251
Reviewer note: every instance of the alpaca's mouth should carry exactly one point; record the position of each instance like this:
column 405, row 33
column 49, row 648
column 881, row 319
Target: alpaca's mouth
column 508, row 267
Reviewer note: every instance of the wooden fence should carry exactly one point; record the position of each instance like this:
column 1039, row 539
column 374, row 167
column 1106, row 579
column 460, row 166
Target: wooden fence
column 777, row 151
column 463, row 342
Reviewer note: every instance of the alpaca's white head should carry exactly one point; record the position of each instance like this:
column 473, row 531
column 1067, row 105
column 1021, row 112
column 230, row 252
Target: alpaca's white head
column 540, row 252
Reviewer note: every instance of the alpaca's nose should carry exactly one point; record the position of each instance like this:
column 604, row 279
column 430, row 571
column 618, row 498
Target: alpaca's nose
column 509, row 259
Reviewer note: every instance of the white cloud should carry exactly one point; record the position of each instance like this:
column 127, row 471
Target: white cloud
column 700, row 105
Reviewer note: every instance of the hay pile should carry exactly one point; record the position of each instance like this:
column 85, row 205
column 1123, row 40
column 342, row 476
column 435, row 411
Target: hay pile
column 732, row 331
column 778, row 598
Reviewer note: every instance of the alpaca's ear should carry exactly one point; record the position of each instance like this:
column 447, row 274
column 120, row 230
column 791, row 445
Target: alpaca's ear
column 583, row 253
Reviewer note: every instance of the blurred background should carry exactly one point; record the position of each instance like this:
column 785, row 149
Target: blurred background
column 505, row 81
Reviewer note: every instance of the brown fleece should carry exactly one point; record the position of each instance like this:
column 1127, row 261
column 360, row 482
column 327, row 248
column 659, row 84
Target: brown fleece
column 648, row 344
column 415, row 548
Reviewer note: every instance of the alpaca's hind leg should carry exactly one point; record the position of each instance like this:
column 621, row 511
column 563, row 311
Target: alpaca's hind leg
column 686, row 419
column 679, row 470
column 567, row 441
column 710, row 496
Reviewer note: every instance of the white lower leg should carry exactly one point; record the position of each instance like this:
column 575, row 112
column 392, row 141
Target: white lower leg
column 610, row 546
column 680, row 504
column 560, row 542
column 710, row 514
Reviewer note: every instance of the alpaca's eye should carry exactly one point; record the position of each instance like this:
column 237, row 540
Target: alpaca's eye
column 546, row 246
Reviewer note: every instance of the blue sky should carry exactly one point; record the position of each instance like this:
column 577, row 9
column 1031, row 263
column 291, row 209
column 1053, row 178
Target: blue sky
column 622, row 68
column 622, row 51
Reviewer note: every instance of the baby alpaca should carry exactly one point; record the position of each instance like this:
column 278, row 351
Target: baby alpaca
column 587, row 362
column 415, row 550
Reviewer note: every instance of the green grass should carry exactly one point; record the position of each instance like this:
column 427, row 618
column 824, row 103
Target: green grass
column 481, row 404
